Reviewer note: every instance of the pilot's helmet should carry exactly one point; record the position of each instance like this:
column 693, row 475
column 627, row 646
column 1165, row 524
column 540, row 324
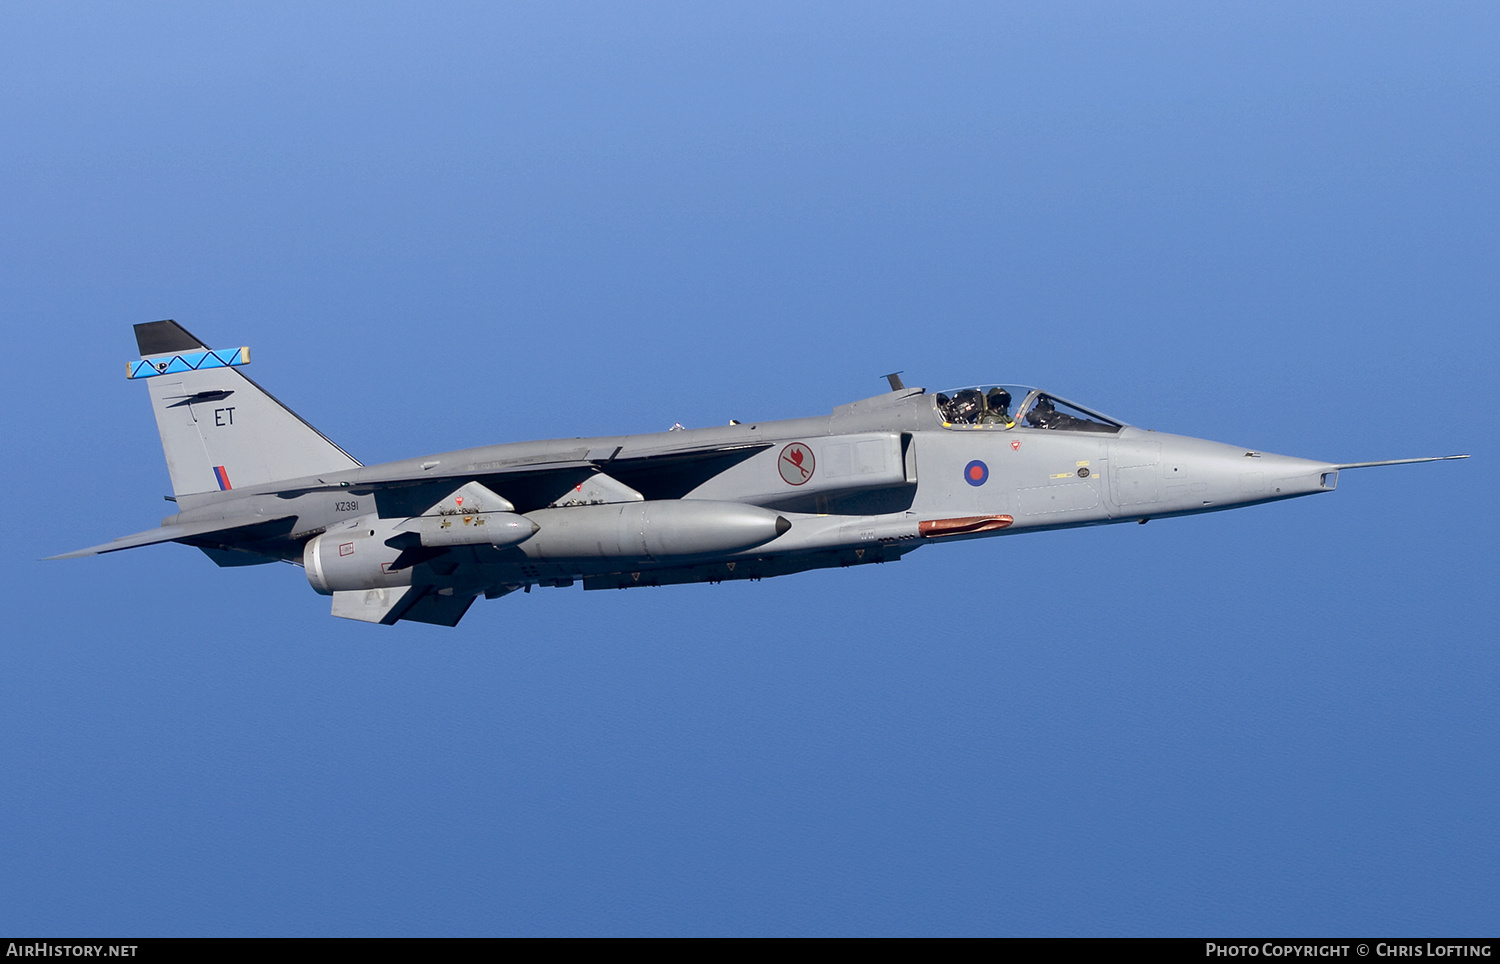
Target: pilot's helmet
column 999, row 400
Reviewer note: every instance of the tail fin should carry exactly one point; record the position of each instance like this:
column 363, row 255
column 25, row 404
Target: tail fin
column 218, row 428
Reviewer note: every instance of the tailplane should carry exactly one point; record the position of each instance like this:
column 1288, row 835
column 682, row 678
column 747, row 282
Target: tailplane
column 220, row 430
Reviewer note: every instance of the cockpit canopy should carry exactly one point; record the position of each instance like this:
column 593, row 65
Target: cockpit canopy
column 1000, row 407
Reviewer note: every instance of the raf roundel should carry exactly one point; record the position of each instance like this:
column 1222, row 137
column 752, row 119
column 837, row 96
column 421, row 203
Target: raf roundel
column 976, row 473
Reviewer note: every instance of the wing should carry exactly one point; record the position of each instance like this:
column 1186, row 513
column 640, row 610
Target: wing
column 404, row 489
column 450, row 581
column 185, row 533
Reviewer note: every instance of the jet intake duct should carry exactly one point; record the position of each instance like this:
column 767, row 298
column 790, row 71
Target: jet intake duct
column 354, row 556
column 650, row 530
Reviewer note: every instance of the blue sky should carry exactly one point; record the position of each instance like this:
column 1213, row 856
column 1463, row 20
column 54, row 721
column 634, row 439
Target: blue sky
column 448, row 225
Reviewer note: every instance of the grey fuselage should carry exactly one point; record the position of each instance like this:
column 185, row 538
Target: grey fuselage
column 421, row 539
column 875, row 471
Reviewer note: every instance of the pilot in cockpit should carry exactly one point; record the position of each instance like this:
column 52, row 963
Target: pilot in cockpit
column 997, row 409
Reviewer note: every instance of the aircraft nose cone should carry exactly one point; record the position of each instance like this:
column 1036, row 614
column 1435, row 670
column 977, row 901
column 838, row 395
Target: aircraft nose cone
column 1279, row 476
column 782, row 525
column 1241, row 477
column 1197, row 475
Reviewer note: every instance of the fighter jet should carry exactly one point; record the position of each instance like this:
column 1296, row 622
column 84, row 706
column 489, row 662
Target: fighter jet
column 421, row 539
